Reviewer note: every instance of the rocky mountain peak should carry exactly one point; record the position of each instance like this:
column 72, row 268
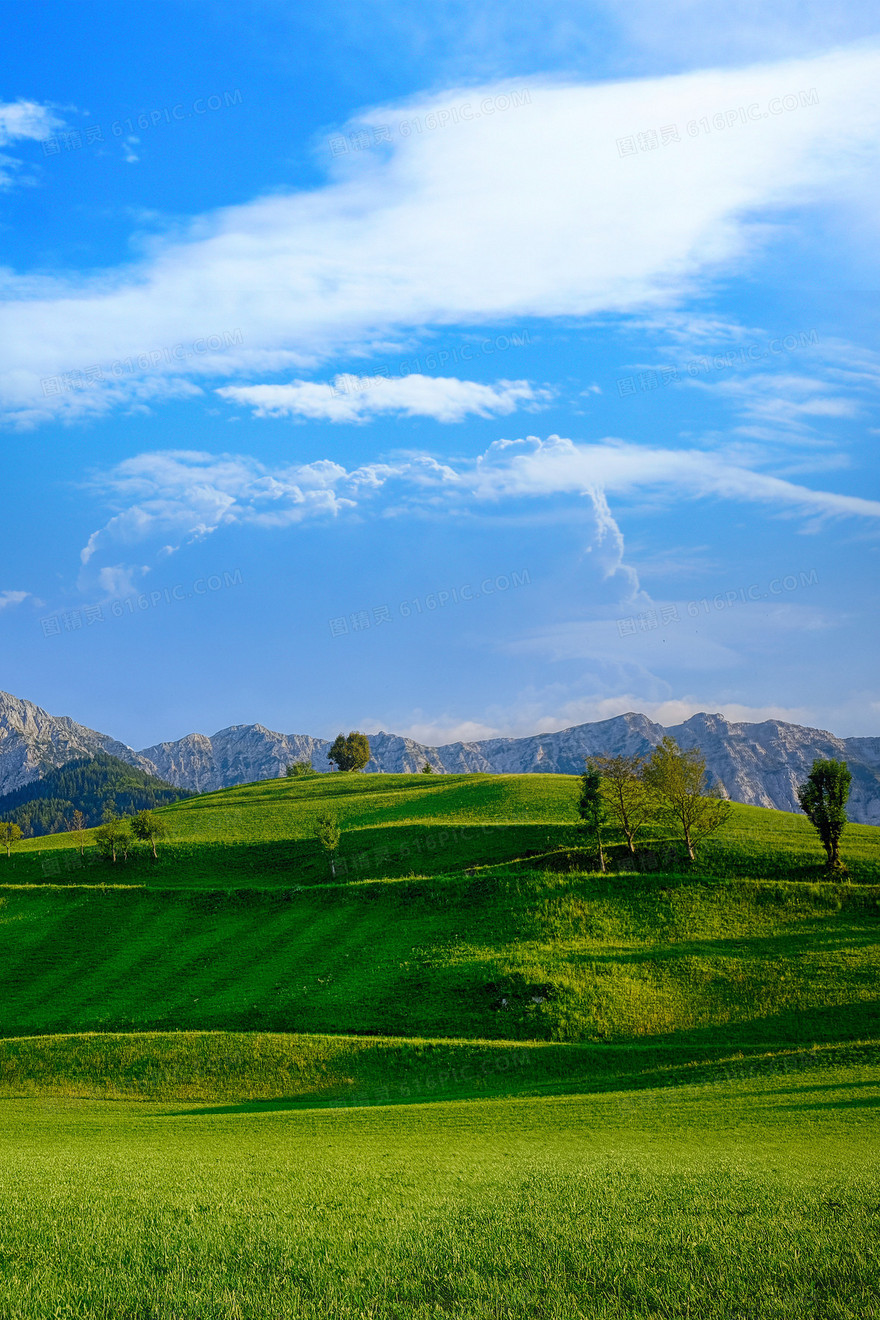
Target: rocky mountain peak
column 761, row 764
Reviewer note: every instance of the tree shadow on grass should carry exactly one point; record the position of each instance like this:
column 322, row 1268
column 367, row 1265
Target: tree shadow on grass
column 828, row 934
column 377, row 853
column 626, row 1076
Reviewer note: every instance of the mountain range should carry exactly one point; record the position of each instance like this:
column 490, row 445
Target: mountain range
column 760, row 764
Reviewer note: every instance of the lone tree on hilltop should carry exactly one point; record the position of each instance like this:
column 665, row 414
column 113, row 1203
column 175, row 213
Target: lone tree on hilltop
column 679, row 780
column 148, row 827
column 823, row 799
column 328, row 834
column 592, row 808
column 9, row 834
column 427, row 768
column 300, row 770
column 351, row 753
column 630, row 800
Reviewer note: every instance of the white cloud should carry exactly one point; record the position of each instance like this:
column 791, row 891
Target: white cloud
column 777, row 406
column 527, row 213
column 10, row 598
column 26, row 119
column 21, row 120
column 170, row 497
column 358, row 398
column 671, row 711
column 436, row 732
column 556, row 466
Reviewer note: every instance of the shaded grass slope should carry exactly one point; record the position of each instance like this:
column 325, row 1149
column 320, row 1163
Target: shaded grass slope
column 261, row 1070
column 510, row 955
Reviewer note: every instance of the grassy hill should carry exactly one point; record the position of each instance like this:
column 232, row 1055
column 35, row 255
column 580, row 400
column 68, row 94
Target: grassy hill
column 511, row 954
column 471, row 1079
column 396, row 825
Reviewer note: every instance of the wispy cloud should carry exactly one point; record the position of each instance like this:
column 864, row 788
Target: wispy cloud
column 19, row 121
column 10, row 598
column 171, row 497
column 359, row 398
column 558, row 225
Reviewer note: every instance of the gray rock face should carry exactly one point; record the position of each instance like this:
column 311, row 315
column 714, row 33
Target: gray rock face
column 759, row 764
column 33, row 742
column 240, row 754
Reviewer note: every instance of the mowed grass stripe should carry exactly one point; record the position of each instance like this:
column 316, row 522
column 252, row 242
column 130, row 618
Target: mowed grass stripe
column 449, row 957
column 110, row 967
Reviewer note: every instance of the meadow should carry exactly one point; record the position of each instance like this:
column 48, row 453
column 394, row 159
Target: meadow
column 469, row 1078
column 512, row 955
column 750, row 1200
column 397, row 825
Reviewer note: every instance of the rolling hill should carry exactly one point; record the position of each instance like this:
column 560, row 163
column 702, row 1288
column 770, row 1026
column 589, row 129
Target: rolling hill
column 470, row 1078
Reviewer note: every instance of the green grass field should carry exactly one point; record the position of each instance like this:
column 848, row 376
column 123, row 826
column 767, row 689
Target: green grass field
column 396, row 825
column 468, row 1079
column 623, row 958
column 751, row 1200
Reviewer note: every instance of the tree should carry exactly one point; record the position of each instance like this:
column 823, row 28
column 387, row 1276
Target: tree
column 328, row 834
column 630, row 801
column 112, row 837
column 679, row 780
column 148, row 827
column 351, row 753
column 592, row 808
column 9, row 834
column 823, row 799
column 109, row 813
column 300, row 770
column 427, row 769
column 78, row 826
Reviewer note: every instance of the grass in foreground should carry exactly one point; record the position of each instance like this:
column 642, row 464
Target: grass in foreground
column 754, row 1200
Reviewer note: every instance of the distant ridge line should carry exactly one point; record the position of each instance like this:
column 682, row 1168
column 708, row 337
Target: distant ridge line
column 760, row 764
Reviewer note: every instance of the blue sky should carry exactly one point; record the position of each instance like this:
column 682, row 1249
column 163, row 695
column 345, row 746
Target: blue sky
column 453, row 372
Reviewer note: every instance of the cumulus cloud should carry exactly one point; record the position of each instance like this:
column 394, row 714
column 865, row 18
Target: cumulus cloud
column 358, row 398
column 558, row 223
